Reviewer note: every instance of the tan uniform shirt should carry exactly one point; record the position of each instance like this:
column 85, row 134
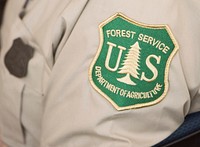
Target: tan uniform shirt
column 65, row 37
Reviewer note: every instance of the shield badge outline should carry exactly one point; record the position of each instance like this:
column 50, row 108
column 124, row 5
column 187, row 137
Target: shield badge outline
column 102, row 86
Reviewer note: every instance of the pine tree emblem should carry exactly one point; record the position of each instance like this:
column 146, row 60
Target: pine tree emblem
column 131, row 55
column 131, row 65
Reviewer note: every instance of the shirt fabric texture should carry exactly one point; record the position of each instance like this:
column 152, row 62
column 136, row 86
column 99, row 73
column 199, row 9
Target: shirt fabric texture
column 54, row 105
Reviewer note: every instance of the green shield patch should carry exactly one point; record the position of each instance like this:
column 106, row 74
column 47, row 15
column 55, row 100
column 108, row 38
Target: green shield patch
column 132, row 63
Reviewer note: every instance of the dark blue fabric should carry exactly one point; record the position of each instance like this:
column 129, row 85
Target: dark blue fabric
column 190, row 126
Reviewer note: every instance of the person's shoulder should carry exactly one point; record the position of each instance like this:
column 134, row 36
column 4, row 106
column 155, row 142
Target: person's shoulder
column 191, row 5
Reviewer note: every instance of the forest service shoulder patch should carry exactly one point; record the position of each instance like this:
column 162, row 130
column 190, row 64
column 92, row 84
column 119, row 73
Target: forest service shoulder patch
column 132, row 63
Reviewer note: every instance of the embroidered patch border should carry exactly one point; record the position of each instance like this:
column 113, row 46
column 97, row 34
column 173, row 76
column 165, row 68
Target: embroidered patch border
column 124, row 92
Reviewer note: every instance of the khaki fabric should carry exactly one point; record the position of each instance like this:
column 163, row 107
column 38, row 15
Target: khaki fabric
column 55, row 104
